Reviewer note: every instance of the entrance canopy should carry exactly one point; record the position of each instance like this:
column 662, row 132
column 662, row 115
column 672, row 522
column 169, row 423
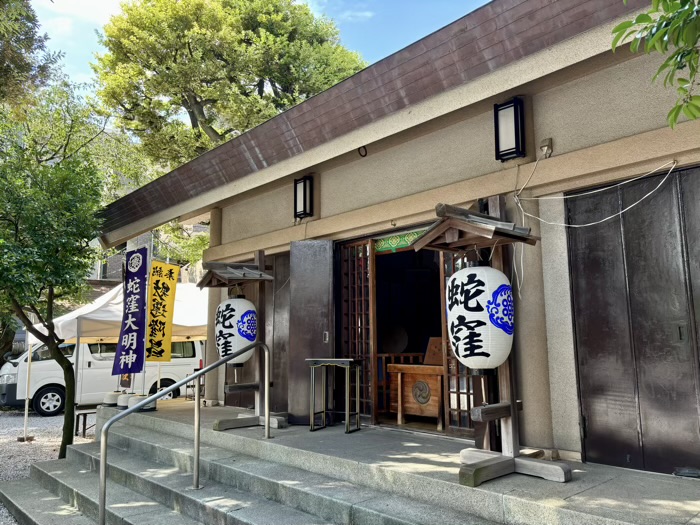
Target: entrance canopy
column 459, row 229
column 100, row 321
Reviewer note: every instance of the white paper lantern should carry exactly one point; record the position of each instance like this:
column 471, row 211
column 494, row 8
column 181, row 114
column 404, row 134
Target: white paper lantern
column 236, row 327
column 480, row 316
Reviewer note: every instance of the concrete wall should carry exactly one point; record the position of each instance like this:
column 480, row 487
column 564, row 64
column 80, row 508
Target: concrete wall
column 260, row 213
column 616, row 102
column 530, row 345
column 603, row 106
column 560, row 337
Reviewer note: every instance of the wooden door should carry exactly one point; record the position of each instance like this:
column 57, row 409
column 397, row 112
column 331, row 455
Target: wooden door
column 310, row 320
column 635, row 325
column 357, row 306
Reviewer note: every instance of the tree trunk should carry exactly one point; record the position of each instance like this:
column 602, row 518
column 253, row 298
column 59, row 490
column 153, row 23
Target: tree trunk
column 69, row 410
column 52, row 341
column 7, row 335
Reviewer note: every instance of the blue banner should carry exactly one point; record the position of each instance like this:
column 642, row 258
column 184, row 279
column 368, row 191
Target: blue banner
column 131, row 348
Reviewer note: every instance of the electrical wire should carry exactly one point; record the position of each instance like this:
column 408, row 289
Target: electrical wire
column 613, row 216
column 520, row 276
column 554, row 197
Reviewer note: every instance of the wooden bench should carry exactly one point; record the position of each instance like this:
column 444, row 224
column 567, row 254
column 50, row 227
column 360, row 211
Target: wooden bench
column 83, row 412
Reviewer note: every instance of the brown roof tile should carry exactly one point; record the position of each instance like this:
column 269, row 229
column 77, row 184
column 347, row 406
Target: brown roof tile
column 491, row 37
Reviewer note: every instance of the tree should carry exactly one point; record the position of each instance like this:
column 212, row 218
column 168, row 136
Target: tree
column 24, row 61
column 185, row 76
column 671, row 28
column 51, row 193
column 181, row 243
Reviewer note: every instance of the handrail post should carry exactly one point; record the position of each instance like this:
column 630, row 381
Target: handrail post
column 197, row 420
column 267, row 392
column 197, row 424
column 103, row 476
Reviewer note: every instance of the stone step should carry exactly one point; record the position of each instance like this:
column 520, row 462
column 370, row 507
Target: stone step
column 327, row 497
column 213, row 503
column 78, row 487
column 31, row 504
column 176, row 436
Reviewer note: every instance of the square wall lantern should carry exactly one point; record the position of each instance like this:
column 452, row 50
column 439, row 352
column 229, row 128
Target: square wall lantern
column 509, row 126
column 304, row 197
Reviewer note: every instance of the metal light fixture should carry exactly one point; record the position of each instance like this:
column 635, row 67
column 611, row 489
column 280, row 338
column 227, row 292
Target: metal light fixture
column 509, row 126
column 304, row 197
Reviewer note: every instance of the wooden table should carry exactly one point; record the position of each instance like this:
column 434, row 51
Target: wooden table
column 417, row 391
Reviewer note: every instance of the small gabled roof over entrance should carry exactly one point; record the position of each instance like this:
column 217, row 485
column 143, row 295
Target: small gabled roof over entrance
column 223, row 275
column 459, row 229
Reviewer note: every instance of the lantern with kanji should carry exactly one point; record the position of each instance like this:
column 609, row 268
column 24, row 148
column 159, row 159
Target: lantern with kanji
column 235, row 327
column 480, row 316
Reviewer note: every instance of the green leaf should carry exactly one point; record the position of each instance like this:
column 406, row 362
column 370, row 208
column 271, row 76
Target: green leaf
column 673, row 115
column 623, row 26
column 634, row 45
column 694, row 110
column 617, row 39
column 643, row 19
column 688, row 113
column 656, row 41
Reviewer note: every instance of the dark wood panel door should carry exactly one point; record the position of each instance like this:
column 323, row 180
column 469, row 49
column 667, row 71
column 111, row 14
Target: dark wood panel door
column 310, row 320
column 635, row 288
column 660, row 312
column 601, row 321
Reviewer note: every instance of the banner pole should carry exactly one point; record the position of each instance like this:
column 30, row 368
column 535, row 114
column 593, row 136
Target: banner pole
column 25, row 438
column 158, row 387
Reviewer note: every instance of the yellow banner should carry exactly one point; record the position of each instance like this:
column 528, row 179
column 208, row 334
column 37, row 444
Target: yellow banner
column 161, row 305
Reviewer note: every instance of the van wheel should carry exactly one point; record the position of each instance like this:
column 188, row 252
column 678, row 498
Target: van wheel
column 164, row 383
column 49, row 401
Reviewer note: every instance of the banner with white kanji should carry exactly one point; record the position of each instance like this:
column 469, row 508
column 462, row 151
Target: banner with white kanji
column 130, row 348
column 161, row 305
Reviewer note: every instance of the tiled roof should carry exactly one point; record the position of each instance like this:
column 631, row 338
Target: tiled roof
column 497, row 34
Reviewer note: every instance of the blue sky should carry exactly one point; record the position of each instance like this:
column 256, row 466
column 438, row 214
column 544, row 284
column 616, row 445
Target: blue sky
column 374, row 28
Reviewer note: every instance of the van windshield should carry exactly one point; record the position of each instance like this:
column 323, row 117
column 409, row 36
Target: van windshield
column 183, row 349
column 103, row 351
column 44, row 354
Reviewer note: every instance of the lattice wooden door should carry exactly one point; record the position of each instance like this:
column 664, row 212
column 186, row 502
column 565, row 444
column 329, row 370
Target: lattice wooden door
column 358, row 317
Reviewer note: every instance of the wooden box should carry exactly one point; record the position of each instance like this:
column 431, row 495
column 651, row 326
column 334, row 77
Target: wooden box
column 416, row 390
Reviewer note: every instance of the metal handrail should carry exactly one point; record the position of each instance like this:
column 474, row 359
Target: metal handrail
column 166, row 391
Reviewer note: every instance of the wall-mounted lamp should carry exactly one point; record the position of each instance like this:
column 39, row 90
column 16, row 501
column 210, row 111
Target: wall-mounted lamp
column 304, row 197
column 509, row 126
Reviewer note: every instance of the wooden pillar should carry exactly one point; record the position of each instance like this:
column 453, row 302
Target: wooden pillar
column 260, row 355
column 211, row 380
column 510, row 440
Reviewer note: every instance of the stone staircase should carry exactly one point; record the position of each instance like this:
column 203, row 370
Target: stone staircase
column 150, row 482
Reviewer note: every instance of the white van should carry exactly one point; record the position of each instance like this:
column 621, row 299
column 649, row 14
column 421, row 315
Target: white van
column 94, row 379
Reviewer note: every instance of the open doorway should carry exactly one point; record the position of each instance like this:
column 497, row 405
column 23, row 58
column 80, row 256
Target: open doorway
column 409, row 318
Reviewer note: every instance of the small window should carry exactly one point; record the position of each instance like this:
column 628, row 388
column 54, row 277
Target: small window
column 182, row 350
column 44, row 354
column 103, row 351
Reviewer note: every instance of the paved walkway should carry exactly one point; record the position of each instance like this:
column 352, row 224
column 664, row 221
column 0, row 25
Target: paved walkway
column 607, row 494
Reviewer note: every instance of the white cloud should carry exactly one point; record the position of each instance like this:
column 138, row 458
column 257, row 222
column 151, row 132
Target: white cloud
column 355, row 16
column 58, row 27
column 95, row 12
column 318, row 7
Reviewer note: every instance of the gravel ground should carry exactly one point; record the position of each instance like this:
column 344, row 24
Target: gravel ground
column 15, row 457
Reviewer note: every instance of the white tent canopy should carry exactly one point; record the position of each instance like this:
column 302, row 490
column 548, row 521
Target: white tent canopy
column 100, row 321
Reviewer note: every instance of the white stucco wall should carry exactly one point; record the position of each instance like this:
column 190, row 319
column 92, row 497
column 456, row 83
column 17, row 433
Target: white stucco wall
column 560, row 336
